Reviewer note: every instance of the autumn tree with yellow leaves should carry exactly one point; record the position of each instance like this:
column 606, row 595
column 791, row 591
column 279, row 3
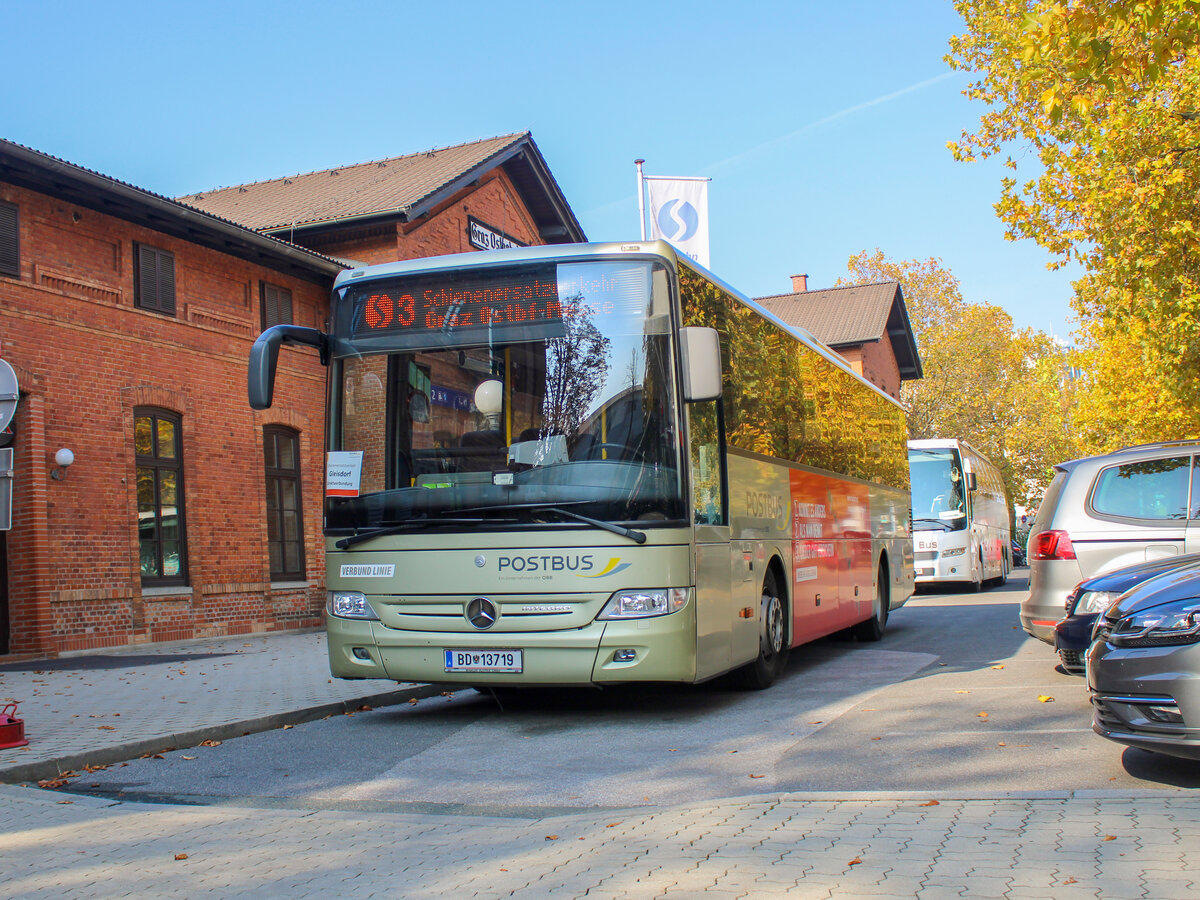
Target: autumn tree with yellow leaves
column 1101, row 99
column 1006, row 391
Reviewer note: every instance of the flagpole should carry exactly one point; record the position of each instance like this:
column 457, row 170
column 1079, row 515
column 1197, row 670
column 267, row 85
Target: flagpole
column 641, row 197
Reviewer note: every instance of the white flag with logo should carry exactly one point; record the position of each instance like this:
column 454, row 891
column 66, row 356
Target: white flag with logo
column 679, row 214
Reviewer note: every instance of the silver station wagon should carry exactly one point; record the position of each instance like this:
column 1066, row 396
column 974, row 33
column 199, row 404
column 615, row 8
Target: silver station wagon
column 1104, row 512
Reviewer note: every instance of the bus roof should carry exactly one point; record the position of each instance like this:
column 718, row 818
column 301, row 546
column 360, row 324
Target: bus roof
column 946, row 443
column 611, row 250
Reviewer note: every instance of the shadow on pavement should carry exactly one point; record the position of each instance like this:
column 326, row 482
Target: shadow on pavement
column 93, row 663
column 1161, row 769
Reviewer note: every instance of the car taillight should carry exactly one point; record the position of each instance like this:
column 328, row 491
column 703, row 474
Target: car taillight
column 1051, row 545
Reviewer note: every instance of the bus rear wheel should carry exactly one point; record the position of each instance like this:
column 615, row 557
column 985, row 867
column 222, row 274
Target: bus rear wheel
column 772, row 642
column 872, row 629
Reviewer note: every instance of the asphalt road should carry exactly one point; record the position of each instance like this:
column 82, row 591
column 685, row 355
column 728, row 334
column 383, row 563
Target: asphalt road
column 955, row 698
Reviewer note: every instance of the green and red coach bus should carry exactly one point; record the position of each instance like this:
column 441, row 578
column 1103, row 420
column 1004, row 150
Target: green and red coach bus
column 592, row 464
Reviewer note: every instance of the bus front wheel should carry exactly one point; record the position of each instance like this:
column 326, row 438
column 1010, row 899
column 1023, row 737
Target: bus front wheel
column 772, row 642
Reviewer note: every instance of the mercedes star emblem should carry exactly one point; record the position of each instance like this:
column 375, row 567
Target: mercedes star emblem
column 481, row 612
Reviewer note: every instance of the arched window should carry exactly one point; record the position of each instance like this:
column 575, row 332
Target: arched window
column 162, row 544
column 285, row 525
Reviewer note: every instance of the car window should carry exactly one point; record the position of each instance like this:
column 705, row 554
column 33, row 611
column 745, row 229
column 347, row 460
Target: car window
column 1151, row 489
column 1195, row 488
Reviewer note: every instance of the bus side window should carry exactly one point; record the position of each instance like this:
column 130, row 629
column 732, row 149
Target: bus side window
column 708, row 465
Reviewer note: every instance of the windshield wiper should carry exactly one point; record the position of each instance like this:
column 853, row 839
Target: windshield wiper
column 556, row 508
column 938, row 522
column 359, row 536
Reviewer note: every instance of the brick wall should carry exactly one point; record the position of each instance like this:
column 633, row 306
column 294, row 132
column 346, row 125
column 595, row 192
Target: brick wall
column 876, row 362
column 85, row 357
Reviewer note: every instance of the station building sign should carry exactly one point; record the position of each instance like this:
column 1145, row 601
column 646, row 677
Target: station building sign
column 484, row 237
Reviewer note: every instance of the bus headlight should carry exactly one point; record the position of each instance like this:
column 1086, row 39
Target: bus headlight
column 350, row 605
column 953, row 551
column 643, row 604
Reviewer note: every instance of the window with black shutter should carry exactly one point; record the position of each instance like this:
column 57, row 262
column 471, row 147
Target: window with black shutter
column 285, row 524
column 10, row 245
column 276, row 305
column 154, row 279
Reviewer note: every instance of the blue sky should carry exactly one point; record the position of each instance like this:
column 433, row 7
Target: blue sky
column 823, row 126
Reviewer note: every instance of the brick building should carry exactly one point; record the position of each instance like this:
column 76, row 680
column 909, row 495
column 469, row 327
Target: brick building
column 866, row 324
column 128, row 318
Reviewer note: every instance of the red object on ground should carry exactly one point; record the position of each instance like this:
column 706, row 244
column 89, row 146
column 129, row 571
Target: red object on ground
column 12, row 729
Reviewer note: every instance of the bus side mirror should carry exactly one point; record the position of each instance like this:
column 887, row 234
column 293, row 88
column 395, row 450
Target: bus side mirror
column 971, row 484
column 264, row 356
column 700, row 351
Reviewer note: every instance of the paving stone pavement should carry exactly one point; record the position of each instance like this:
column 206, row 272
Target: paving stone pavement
column 883, row 849
column 97, row 708
column 1063, row 846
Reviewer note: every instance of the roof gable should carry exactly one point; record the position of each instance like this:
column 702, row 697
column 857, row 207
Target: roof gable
column 858, row 314
column 401, row 187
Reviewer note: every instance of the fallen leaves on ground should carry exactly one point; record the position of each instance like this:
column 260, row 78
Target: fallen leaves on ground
column 982, row 715
column 857, row 861
column 931, row 803
column 1001, row 666
column 210, row 743
column 752, row 775
column 552, row 837
column 1045, row 698
column 179, row 856
column 1110, row 837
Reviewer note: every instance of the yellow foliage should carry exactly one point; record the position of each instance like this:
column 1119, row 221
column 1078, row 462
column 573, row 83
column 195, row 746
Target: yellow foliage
column 1101, row 99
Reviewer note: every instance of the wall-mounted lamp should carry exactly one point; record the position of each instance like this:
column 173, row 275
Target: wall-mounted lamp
column 63, row 458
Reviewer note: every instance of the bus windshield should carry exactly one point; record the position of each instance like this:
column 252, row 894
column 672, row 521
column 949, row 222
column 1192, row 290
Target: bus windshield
column 496, row 396
column 938, row 492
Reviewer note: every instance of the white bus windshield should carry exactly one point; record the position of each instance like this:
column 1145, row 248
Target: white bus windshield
column 486, row 396
column 938, row 491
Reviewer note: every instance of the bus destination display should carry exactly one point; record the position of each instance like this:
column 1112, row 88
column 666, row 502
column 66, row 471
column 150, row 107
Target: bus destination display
column 524, row 297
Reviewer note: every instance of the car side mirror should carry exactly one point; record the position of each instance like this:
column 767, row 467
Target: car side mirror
column 971, row 483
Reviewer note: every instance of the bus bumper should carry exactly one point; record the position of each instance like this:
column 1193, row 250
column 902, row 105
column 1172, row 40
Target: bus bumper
column 955, row 571
column 663, row 649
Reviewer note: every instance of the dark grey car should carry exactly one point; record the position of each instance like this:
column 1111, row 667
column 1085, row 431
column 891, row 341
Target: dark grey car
column 1143, row 667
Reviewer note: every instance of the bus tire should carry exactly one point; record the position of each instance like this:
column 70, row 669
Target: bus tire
column 772, row 642
column 872, row 629
column 977, row 584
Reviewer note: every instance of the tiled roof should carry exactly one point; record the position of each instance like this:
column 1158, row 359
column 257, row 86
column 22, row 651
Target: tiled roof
column 88, row 188
column 838, row 316
column 858, row 314
column 396, row 185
